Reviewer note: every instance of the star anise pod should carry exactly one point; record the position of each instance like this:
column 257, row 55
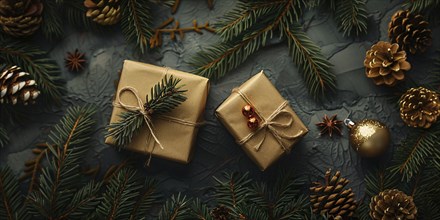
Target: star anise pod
column 75, row 61
column 330, row 125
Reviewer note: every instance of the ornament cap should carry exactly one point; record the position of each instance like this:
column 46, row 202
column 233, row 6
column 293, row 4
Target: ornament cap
column 349, row 123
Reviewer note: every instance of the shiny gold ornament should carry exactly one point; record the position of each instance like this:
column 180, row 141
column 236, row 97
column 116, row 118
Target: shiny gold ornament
column 392, row 204
column 419, row 107
column 370, row 138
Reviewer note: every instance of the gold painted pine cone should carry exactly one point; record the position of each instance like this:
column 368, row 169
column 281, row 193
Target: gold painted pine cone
column 16, row 86
column 410, row 31
column 20, row 18
column 103, row 12
column 419, row 107
column 331, row 198
column 386, row 64
column 392, row 204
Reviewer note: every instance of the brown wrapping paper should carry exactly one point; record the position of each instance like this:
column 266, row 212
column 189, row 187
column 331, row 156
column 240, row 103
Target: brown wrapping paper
column 266, row 100
column 177, row 139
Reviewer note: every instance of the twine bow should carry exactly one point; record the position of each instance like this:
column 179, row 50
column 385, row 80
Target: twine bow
column 139, row 108
column 271, row 124
column 147, row 117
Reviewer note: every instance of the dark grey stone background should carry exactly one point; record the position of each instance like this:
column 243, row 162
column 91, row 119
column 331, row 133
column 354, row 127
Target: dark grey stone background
column 215, row 150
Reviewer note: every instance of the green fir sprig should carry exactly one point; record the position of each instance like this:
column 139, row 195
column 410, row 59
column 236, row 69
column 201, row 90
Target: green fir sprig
column 11, row 200
column 4, row 137
column 249, row 26
column 164, row 97
column 36, row 62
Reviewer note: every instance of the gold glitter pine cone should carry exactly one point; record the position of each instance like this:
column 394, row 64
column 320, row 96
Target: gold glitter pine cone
column 419, row 107
column 103, row 12
column 20, row 18
column 410, row 31
column 331, row 198
column 386, row 64
column 392, row 204
column 16, row 86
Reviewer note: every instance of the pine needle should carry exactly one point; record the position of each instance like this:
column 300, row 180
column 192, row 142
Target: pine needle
column 136, row 22
column 11, row 199
column 164, row 97
column 175, row 208
column 352, row 17
column 4, row 137
column 416, row 151
column 316, row 69
column 36, row 62
column 57, row 183
column 52, row 25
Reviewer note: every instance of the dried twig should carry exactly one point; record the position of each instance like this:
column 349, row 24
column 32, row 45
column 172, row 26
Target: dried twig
column 156, row 39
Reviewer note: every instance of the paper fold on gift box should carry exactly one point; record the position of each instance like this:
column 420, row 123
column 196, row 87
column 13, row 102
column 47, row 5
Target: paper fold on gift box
column 266, row 100
column 177, row 139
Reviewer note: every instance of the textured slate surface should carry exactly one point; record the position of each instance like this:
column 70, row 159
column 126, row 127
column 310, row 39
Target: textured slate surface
column 216, row 150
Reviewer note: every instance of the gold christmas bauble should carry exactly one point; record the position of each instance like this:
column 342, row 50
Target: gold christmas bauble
column 370, row 138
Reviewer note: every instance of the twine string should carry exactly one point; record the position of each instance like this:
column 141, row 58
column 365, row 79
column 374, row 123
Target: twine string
column 271, row 124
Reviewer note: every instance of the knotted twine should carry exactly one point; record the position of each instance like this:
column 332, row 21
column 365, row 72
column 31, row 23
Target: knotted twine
column 270, row 124
column 139, row 108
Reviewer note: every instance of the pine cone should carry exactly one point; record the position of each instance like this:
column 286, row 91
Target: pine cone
column 332, row 199
column 386, row 64
column 103, row 12
column 419, row 107
column 20, row 18
column 17, row 86
column 410, row 32
column 392, row 204
column 220, row 213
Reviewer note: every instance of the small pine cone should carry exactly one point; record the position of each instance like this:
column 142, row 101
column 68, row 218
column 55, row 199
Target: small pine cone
column 386, row 64
column 392, row 204
column 20, row 18
column 331, row 198
column 220, row 213
column 419, row 107
column 17, row 86
column 410, row 31
column 103, row 12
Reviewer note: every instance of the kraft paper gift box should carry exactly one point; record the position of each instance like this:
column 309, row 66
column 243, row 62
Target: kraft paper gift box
column 177, row 138
column 279, row 128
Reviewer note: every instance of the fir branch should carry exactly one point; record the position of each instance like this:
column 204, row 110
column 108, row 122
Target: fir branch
column 175, row 208
column 120, row 196
column 222, row 57
column 35, row 61
column 351, row 16
column 417, row 151
column 70, row 140
column 234, row 191
column 11, row 200
column 164, row 97
column 4, row 137
column 420, row 6
column 52, row 25
column 241, row 19
column 33, row 166
column 136, row 22
column 200, row 211
column 146, row 200
column 316, row 69
column 75, row 14
column 83, row 202
column 380, row 180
